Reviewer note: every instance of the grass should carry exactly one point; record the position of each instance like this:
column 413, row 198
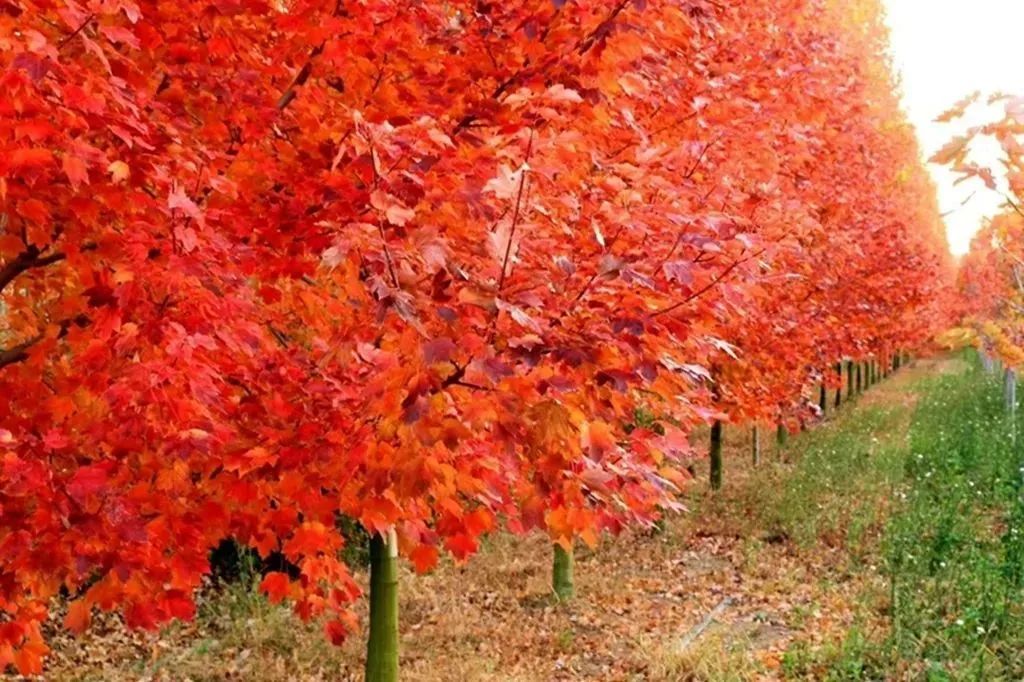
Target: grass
column 245, row 637
column 952, row 547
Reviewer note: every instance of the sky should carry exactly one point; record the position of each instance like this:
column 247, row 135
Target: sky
column 944, row 50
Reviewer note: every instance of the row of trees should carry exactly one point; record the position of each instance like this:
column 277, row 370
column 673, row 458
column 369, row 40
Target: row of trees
column 434, row 266
column 991, row 275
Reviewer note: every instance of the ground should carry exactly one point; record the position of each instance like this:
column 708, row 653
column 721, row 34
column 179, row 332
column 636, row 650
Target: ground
column 785, row 560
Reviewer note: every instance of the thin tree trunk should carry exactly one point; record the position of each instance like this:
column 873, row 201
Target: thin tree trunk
column 1010, row 390
column 715, row 455
column 823, row 397
column 860, row 378
column 850, row 392
column 382, row 646
column 986, row 362
column 755, row 435
column 781, row 435
column 839, row 386
column 562, row 573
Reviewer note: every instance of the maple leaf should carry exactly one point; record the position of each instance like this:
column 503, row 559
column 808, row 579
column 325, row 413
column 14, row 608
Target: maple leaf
column 76, row 171
column 394, row 211
column 276, row 586
column 954, row 150
column 87, row 481
column 462, row 546
column 119, row 171
column 252, row 460
column 308, row 539
column 177, row 199
column 32, row 158
column 424, row 558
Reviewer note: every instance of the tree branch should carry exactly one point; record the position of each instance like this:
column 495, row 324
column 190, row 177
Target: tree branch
column 9, row 356
column 28, row 259
column 710, row 285
column 19, row 353
column 515, row 217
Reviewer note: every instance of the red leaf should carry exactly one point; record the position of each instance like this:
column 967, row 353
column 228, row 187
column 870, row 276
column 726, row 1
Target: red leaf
column 336, row 631
column 36, row 157
column 86, row 482
column 76, row 170
column 424, row 558
column 462, row 546
column 276, row 586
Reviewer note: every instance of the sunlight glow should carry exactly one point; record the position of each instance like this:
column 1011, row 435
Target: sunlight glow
column 944, row 50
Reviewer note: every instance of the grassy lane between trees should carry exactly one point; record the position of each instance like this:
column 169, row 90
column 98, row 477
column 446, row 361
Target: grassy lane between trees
column 883, row 544
column 952, row 549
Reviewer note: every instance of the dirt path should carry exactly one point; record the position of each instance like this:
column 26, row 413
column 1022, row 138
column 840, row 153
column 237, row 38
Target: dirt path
column 641, row 596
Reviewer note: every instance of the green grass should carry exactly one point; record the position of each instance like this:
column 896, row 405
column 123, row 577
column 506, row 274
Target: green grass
column 952, row 541
column 832, row 492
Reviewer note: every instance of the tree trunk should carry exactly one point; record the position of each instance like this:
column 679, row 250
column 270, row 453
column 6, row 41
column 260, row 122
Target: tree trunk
column 860, row 378
column 382, row 646
column 781, row 435
column 716, row 455
column 823, row 398
column 562, row 570
column 1010, row 390
column 755, row 435
column 839, row 387
column 849, row 379
column 986, row 362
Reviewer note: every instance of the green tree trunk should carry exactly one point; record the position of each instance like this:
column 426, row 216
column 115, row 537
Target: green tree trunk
column 562, row 570
column 781, row 435
column 755, row 450
column 382, row 646
column 715, row 455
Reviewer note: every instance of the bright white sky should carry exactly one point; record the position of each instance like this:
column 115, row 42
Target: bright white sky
column 945, row 50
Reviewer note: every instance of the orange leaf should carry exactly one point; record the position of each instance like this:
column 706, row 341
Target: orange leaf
column 79, row 616
column 276, row 586
column 424, row 558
